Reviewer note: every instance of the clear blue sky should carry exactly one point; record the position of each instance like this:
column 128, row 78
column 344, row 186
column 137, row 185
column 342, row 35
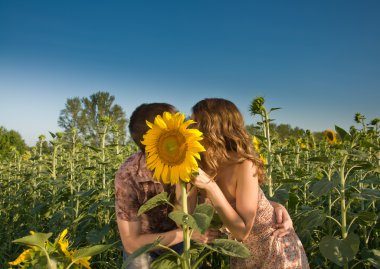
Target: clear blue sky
column 318, row 60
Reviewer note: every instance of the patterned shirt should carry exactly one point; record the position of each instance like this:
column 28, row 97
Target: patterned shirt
column 134, row 185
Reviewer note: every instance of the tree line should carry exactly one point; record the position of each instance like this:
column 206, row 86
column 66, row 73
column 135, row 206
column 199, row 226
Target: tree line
column 97, row 119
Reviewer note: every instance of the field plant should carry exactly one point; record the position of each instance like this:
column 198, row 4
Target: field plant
column 330, row 186
column 331, row 189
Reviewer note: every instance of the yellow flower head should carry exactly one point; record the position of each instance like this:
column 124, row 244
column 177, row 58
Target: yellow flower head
column 330, row 136
column 256, row 143
column 84, row 262
column 172, row 148
column 22, row 257
column 263, row 159
column 64, row 243
column 26, row 156
column 301, row 144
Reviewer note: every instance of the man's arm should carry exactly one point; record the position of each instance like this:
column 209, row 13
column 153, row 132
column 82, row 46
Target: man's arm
column 284, row 222
column 132, row 239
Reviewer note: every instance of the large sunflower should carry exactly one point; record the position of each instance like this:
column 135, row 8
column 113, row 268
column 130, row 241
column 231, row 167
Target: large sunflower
column 172, row 148
column 330, row 136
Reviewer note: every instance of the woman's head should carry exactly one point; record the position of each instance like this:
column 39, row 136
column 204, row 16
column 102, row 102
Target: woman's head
column 225, row 136
column 143, row 113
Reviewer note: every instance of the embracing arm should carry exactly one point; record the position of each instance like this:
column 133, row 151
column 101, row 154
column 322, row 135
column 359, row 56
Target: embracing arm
column 240, row 221
column 284, row 223
column 132, row 239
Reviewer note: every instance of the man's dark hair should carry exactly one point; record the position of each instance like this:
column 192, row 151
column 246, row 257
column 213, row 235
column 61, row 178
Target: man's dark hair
column 146, row 112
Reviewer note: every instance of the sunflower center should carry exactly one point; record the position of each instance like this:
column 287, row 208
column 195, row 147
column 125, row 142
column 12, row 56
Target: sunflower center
column 330, row 136
column 172, row 147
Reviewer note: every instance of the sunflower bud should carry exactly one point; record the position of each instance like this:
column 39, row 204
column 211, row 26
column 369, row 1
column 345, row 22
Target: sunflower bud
column 257, row 105
column 375, row 121
column 359, row 117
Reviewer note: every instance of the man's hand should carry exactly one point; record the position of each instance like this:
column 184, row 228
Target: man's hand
column 284, row 224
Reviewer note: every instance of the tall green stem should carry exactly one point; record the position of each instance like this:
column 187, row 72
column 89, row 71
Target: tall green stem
column 186, row 234
column 269, row 145
column 343, row 202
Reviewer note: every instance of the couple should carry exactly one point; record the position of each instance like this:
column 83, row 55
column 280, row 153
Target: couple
column 230, row 175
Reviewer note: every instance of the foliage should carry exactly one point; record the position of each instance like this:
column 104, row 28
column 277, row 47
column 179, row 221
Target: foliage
column 94, row 117
column 199, row 221
column 44, row 254
column 331, row 191
column 67, row 185
column 11, row 143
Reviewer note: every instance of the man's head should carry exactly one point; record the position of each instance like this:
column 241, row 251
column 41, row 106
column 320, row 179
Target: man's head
column 146, row 112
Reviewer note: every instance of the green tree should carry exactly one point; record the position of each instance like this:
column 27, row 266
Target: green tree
column 11, row 140
column 96, row 117
column 71, row 116
column 283, row 131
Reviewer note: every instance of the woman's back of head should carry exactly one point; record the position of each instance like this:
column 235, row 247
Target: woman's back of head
column 224, row 133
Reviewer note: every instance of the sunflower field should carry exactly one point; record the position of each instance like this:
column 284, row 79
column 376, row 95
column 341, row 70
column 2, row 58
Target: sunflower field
column 57, row 199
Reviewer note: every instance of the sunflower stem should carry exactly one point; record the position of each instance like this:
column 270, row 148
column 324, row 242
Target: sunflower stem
column 185, row 227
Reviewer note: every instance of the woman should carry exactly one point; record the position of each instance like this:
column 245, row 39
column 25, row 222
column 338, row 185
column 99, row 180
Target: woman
column 231, row 176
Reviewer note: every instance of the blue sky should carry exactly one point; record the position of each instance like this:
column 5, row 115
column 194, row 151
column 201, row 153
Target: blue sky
column 318, row 60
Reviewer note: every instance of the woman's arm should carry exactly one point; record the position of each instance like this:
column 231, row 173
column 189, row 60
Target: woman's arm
column 240, row 221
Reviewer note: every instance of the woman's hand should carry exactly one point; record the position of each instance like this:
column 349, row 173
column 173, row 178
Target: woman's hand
column 284, row 223
column 209, row 236
column 202, row 180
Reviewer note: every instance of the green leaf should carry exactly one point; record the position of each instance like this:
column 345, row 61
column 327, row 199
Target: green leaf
column 157, row 200
column 281, row 196
column 375, row 258
column 261, row 138
column 86, row 193
column 322, row 159
column 313, row 219
column 96, row 236
column 367, row 194
column 216, row 222
column 371, row 180
column 166, row 260
column 342, row 133
column 90, row 251
column 321, row 187
column 274, row 108
column 204, row 209
column 36, row 239
column 230, row 248
column 140, row 251
column 289, row 180
column 367, row 144
column 94, row 148
column 366, row 217
column 339, row 251
column 203, row 214
column 181, row 218
column 202, row 221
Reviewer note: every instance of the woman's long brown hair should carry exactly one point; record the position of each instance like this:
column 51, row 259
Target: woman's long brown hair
column 224, row 132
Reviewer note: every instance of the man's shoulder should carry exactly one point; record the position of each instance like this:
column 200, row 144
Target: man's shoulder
column 129, row 165
column 134, row 168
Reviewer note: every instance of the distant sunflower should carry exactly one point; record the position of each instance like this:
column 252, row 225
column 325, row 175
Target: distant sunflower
column 172, row 148
column 256, row 143
column 330, row 136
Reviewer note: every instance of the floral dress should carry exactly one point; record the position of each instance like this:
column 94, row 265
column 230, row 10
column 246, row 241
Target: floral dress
column 267, row 251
